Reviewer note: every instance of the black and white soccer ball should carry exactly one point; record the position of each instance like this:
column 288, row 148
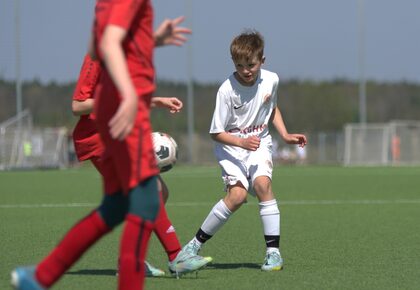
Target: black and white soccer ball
column 166, row 150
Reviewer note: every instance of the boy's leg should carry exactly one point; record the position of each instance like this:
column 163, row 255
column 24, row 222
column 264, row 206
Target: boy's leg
column 236, row 183
column 165, row 231
column 260, row 167
column 72, row 246
column 179, row 262
column 79, row 239
column 143, row 210
column 270, row 217
column 269, row 211
column 163, row 189
column 167, row 236
column 217, row 217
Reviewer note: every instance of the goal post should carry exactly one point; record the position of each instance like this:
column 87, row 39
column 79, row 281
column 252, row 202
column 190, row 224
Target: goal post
column 24, row 147
column 366, row 144
column 378, row 144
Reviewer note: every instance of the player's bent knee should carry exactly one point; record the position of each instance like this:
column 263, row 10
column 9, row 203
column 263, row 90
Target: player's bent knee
column 144, row 200
column 235, row 200
column 263, row 188
column 113, row 209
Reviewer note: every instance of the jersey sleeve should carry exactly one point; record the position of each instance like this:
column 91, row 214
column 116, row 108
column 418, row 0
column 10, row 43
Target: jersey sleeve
column 221, row 113
column 88, row 78
column 123, row 12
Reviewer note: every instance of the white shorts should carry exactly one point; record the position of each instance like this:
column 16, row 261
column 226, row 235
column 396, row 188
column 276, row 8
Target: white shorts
column 245, row 166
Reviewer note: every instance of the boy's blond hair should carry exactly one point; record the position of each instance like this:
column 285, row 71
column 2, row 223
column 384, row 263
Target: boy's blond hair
column 248, row 44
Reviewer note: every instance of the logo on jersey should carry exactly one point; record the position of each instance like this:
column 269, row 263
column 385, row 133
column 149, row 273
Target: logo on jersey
column 238, row 107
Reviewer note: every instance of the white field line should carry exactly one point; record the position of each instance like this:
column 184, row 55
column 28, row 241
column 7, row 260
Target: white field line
column 189, row 204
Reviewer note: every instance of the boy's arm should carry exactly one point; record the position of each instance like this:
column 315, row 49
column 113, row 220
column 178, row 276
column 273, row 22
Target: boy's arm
column 278, row 123
column 113, row 55
column 82, row 100
column 251, row 143
column 80, row 108
column 172, row 103
column 91, row 48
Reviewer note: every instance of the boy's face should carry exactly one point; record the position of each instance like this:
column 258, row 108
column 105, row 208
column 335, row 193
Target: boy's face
column 247, row 70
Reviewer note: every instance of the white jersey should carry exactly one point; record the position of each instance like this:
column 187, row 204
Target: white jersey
column 244, row 111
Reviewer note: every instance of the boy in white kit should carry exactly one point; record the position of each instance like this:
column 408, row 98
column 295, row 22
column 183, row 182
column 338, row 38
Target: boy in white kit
column 246, row 102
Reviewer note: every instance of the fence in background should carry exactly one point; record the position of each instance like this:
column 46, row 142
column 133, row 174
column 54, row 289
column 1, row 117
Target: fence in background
column 396, row 143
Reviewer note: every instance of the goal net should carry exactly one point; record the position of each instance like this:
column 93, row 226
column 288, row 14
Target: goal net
column 24, row 147
column 394, row 143
column 405, row 142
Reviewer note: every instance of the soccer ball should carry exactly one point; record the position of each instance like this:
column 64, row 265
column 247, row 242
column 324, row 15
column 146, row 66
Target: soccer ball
column 166, row 150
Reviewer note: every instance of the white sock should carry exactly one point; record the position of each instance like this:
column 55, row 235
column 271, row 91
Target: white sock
column 271, row 250
column 270, row 217
column 216, row 218
column 194, row 240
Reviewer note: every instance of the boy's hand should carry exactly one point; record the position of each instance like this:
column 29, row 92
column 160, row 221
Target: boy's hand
column 170, row 33
column 298, row 139
column 251, row 143
column 173, row 104
column 123, row 120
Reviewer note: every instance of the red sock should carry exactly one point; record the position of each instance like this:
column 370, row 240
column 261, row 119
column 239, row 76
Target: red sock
column 135, row 238
column 74, row 244
column 166, row 232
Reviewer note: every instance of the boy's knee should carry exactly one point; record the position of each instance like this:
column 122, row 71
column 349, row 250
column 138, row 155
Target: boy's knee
column 262, row 186
column 113, row 209
column 235, row 198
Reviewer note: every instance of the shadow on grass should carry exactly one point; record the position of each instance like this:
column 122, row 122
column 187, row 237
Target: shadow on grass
column 226, row 266
column 213, row 266
column 94, row 272
column 111, row 272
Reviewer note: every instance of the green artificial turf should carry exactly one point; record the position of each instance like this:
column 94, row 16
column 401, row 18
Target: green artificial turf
column 341, row 228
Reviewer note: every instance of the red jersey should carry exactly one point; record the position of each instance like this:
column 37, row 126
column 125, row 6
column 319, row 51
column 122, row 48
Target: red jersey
column 136, row 17
column 127, row 163
column 87, row 142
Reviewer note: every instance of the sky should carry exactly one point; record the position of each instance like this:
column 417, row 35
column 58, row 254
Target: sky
column 305, row 39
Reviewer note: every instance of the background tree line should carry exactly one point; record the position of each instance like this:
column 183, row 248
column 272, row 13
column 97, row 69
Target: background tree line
column 307, row 106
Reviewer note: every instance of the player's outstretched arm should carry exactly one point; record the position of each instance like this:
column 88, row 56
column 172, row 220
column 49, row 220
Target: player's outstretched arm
column 277, row 119
column 170, row 33
column 173, row 104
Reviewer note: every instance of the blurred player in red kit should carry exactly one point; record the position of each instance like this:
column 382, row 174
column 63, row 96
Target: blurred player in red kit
column 88, row 146
column 124, row 43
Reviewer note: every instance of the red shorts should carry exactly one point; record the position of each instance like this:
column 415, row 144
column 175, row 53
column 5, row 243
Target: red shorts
column 124, row 163
column 86, row 139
